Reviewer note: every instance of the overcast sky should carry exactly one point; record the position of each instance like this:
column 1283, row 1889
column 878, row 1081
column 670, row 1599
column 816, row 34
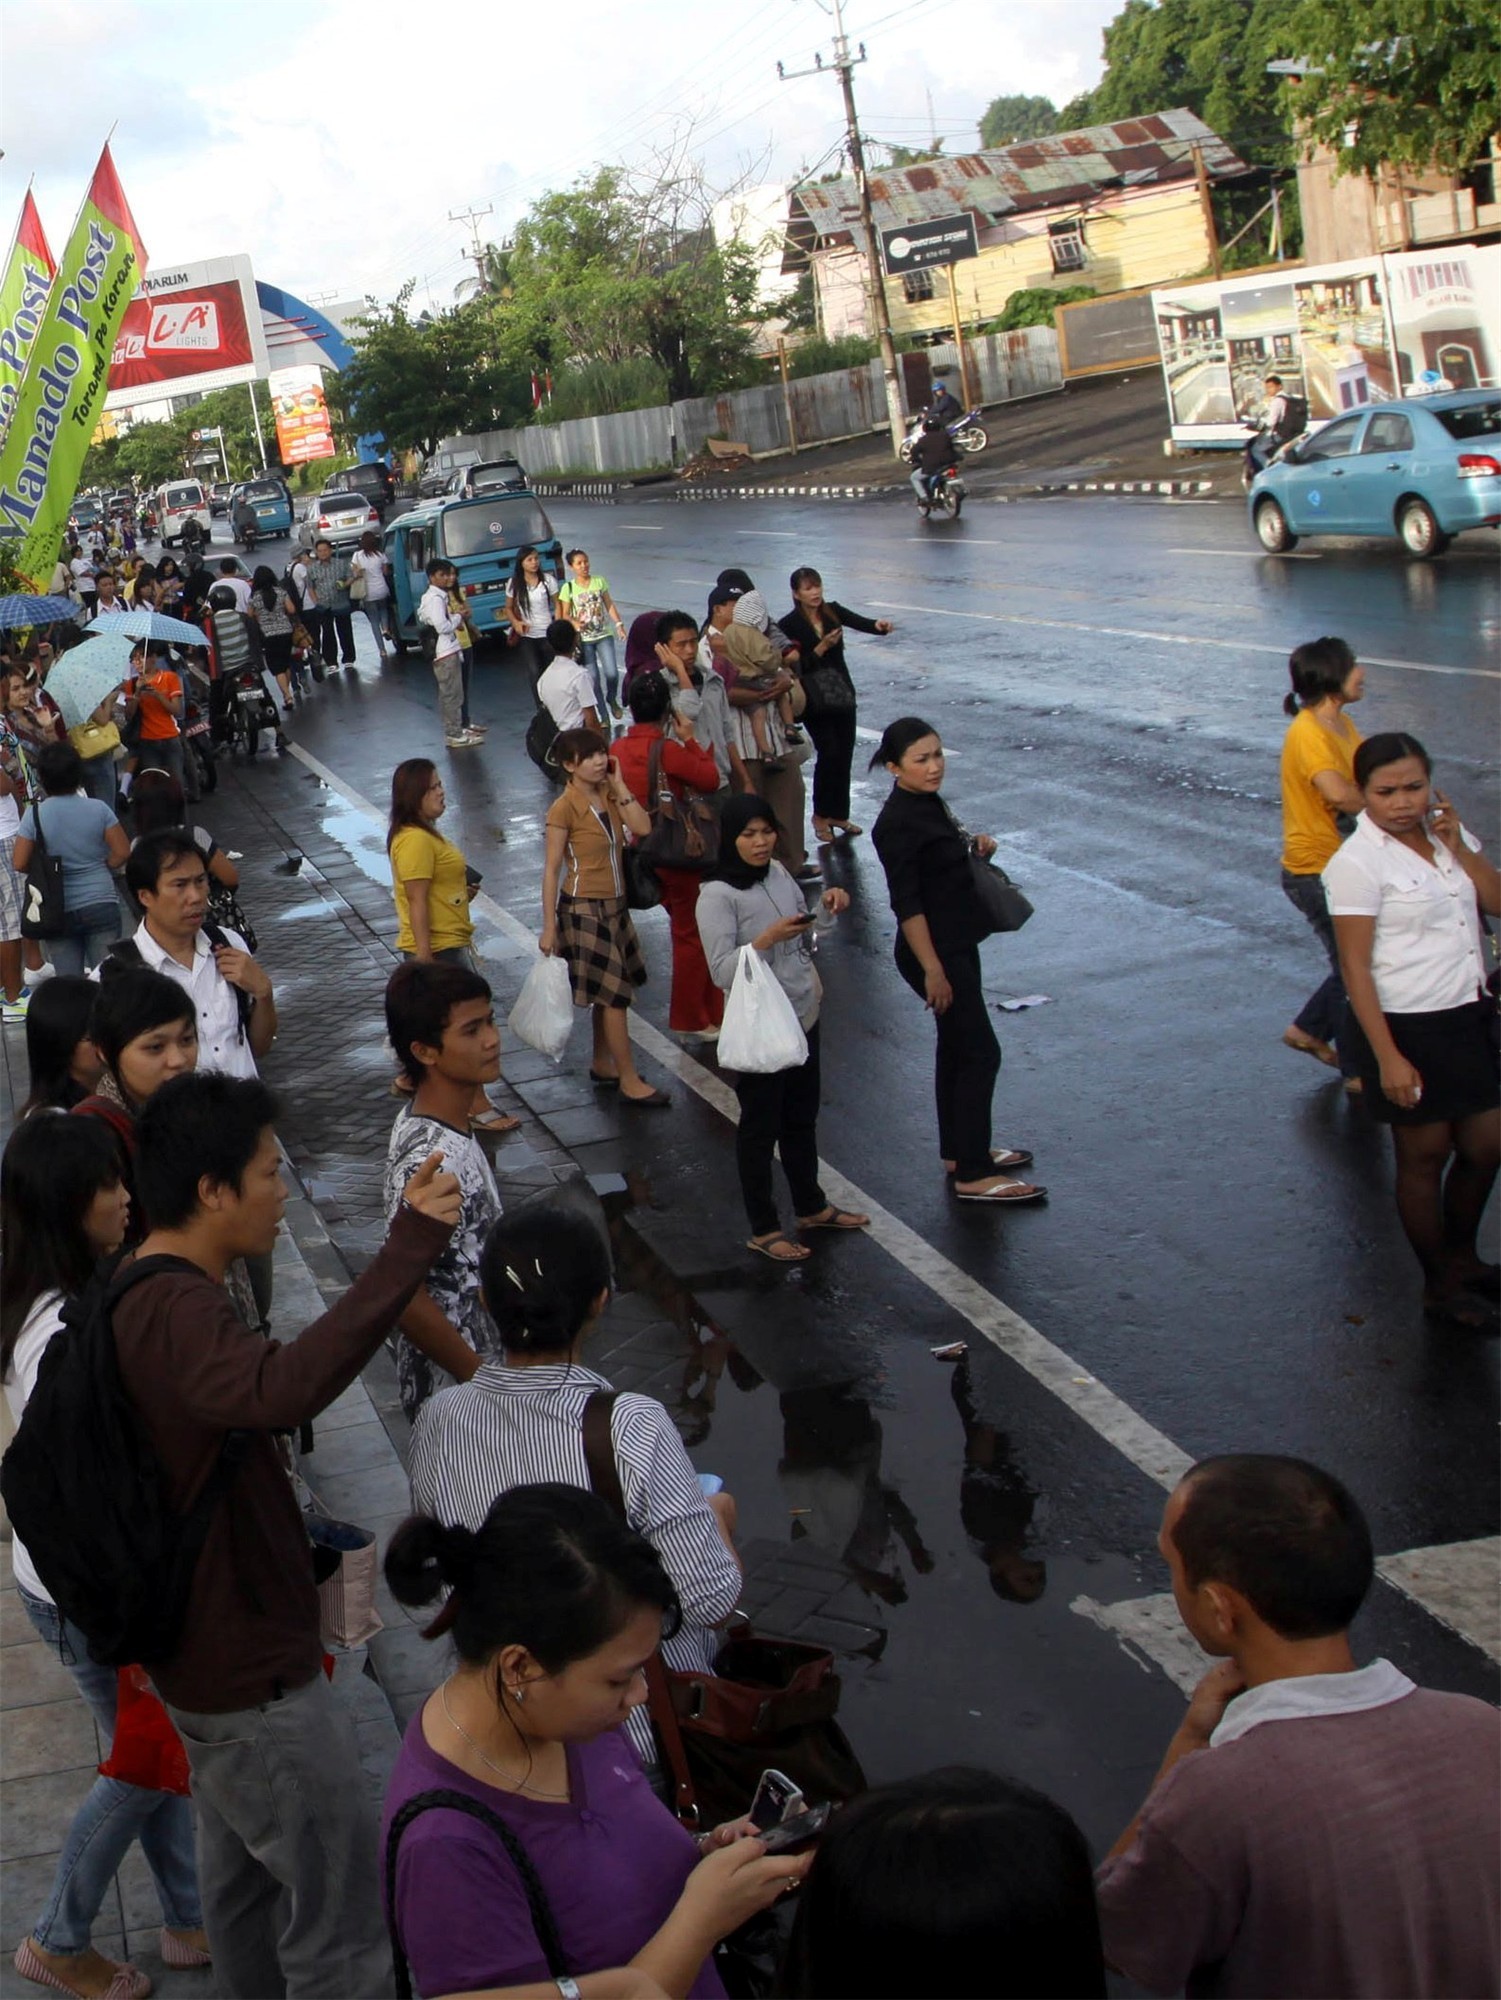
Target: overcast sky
column 329, row 139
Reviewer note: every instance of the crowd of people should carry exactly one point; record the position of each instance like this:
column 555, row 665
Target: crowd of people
column 1318, row 1826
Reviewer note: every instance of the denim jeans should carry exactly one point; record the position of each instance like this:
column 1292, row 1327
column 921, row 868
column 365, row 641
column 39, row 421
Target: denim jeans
column 87, row 935
column 111, row 1817
column 99, row 778
column 1323, row 1013
column 379, row 615
column 601, row 660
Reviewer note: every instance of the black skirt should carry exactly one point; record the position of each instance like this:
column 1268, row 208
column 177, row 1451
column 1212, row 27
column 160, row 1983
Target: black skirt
column 1453, row 1051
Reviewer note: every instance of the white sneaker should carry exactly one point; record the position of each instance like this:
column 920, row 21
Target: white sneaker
column 14, row 1010
column 460, row 742
column 44, row 971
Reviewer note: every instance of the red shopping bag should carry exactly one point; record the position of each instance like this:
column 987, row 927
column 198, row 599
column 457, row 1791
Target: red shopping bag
column 146, row 1750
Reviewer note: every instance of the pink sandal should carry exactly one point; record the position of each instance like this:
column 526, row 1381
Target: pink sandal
column 129, row 1982
column 180, row 1956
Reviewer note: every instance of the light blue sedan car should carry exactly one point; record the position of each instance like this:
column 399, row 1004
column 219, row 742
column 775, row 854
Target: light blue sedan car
column 1423, row 469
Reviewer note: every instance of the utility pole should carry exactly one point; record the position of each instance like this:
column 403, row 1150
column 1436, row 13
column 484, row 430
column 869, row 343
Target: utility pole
column 1207, row 205
column 875, row 277
column 472, row 217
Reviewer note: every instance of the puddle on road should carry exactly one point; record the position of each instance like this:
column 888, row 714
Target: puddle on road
column 362, row 839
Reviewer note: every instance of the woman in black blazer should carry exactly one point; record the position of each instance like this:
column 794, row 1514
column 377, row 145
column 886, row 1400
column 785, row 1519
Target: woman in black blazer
column 816, row 627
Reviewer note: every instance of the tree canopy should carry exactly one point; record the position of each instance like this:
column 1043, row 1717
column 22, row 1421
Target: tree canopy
column 152, row 452
column 1009, row 119
column 1418, row 81
column 415, row 380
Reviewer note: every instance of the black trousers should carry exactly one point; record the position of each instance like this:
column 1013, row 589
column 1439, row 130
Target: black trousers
column 535, row 656
column 334, row 632
column 780, row 1110
column 968, row 1060
column 833, row 736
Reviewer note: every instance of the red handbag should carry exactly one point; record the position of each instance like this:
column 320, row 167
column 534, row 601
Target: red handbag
column 146, row 1751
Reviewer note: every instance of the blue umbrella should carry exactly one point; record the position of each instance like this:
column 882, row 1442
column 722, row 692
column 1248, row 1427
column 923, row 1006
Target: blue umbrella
column 153, row 625
column 87, row 673
column 22, row 610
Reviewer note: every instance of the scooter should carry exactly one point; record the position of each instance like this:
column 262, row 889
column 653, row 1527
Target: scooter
column 197, row 723
column 967, row 432
column 946, row 496
column 245, row 534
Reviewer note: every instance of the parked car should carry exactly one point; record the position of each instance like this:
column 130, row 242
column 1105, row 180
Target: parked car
column 1422, row 468
column 442, row 466
column 218, row 496
column 340, row 518
column 374, row 480
column 491, row 475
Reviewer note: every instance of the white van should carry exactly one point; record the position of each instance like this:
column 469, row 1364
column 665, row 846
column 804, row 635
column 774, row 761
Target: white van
column 177, row 503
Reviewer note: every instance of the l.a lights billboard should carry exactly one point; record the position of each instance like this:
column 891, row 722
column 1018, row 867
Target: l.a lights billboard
column 192, row 327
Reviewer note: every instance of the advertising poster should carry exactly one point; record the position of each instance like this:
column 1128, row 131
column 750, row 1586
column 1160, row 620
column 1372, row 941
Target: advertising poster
column 1446, row 315
column 1347, row 359
column 303, row 429
column 62, row 392
column 23, row 296
column 192, row 328
column 1191, row 335
column 1261, row 339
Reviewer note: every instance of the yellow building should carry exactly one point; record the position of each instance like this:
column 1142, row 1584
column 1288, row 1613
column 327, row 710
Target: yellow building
column 1112, row 207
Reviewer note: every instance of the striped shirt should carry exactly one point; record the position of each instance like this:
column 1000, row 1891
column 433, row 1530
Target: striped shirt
column 510, row 1427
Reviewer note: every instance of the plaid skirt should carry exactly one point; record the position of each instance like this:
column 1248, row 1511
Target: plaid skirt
column 603, row 952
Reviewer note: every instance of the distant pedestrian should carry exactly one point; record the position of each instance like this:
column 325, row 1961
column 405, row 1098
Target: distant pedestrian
column 927, row 858
column 436, row 612
column 155, row 704
column 332, row 620
column 1318, row 793
column 1405, row 893
column 91, row 844
column 84, row 572
column 1316, row 1827
column 584, row 914
column 275, row 612
column 566, row 689
column 816, row 625
column 762, row 682
column 531, row 600
column 229, row 578
column 369, row 561
column 585, row 600
column 701, row 695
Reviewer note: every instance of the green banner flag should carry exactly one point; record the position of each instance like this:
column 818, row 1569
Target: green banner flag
column 67, row 374
column 23, row 294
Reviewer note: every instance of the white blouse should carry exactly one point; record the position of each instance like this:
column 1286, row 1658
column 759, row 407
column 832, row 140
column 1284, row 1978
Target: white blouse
column 1428, row 953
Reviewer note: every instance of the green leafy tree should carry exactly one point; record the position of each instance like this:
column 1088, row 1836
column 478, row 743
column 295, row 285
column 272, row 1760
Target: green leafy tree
column 1417, row 81
column 910, row 156
column 1036, row 305
column 1009, row 119
column 415, row 380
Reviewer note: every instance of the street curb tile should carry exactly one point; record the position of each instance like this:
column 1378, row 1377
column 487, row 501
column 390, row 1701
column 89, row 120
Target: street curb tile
column 782, row 493
column 1158, row 488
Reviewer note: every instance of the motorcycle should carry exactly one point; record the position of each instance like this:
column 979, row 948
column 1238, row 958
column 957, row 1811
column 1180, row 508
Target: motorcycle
column 946, row 495
column 245, row 534
column 967, row 432
column 197, row 724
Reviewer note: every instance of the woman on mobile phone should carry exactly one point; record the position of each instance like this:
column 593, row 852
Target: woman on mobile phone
column 555, row 1606
column 584, row 915
column 926, row 855
column 753, row 900
column 1405, row 893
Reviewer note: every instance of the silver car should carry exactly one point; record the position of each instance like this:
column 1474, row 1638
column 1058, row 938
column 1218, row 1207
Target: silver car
column 340, row 518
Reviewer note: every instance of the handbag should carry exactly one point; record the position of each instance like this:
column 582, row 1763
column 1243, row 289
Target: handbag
column 543, row 1921
column 643, row 888
column 1004, row 906
column 828, row 692
column 765, row 1702
column 43, row 909
column 359, row 585
column 684, row 832
column 345, row 1568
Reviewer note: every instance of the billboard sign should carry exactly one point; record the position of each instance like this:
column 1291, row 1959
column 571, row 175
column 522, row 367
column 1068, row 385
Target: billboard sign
column 191, row 328
column 303, row 429
column 943, row 239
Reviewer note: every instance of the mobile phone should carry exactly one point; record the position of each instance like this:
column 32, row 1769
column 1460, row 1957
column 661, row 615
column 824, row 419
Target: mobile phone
column 807, row 917
column 792, row 1835
column 777, row 1798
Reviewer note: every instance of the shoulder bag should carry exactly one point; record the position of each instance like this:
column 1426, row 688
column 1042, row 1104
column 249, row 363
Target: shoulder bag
column 43, row 910
column 1002, row 904
column 765, row 1702
column 684, row 831
column 543, row 1921
column 359, row 583
column 827, row 690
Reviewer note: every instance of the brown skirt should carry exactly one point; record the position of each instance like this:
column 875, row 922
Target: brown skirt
column 603, row 952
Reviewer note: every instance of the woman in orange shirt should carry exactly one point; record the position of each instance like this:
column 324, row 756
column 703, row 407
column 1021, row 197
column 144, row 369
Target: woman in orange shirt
column 1318, row 787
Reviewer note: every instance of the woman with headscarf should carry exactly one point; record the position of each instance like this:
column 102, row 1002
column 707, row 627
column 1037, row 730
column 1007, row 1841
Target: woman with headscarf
column 758, row 681
column 752, row 900
column 640, row 649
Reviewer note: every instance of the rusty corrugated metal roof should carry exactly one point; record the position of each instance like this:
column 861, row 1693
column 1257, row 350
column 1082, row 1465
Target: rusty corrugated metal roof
column 1063, row 169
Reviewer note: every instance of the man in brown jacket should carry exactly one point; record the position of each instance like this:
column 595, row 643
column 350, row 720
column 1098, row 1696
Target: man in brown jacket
column 286, row 1828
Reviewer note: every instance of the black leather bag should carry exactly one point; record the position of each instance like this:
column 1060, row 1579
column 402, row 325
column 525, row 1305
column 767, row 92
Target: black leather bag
column 43, row 910
column 827, row 690
column 684, row 832
column 643, row 891
column 1004, row 905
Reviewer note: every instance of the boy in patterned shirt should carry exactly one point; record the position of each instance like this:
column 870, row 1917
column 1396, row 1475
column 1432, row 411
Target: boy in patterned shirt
column 441, row 1021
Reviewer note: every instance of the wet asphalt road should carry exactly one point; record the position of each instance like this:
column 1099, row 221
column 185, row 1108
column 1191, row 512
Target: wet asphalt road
column 1219, row 1246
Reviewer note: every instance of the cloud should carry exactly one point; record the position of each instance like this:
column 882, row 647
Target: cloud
column 331, row 143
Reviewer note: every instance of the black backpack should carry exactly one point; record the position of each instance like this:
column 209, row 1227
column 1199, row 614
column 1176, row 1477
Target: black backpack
column 128, row 952
column 541, row 734
column 1294, row 419
column 86, row 1492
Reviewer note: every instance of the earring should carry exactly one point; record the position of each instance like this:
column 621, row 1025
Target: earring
column 518, row 1692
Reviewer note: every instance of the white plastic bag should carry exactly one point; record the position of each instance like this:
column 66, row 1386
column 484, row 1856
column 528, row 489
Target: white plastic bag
column 760, row 1032
column 543, row 1014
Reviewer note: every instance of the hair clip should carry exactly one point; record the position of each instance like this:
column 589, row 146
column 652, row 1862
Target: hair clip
column 514, row 1279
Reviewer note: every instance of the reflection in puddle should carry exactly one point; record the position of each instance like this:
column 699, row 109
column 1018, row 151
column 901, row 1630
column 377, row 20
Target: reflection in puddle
column 995, row 1502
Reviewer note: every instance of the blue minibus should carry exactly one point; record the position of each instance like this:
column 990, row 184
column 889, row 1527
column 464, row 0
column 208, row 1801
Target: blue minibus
column 482, row 539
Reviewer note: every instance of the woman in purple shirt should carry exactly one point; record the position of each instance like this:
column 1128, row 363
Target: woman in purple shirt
column 555, row 1606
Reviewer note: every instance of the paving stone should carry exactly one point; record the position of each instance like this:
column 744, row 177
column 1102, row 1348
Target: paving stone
column 36, row 1812
column 52, row 1736
column 31, row 1675
column 16, row 1629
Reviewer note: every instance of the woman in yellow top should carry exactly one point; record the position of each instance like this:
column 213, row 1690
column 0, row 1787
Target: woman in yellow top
column 1318, row 787
column 584, row 915
column 430, row 882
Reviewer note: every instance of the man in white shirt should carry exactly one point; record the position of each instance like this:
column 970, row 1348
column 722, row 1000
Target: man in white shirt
column 230, row 578
column 84, row 574
column 566, row 688
column 445, row 652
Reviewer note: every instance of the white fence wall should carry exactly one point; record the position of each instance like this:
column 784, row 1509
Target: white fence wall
column 847, row 403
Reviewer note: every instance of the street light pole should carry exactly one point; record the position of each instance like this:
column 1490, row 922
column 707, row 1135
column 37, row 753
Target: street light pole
column 875, row 278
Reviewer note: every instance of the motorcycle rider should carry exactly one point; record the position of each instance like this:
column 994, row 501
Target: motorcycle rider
column 943, row 405
column 932, row 454
column 1282, row 419
column 245, row 520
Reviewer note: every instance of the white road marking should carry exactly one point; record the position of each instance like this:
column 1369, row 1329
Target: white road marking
column 1168, row 638
column 1107, row 1414
column 1151, row 1633
column 1458, row 1583
column 629, row 528
column 1250, row 555
column 770, row 534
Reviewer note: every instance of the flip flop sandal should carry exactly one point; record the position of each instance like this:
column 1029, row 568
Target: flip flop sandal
column 129, row 1982
column 837, row 1218
column 1009, row 1193
column 767, row 1249
column 1015, row 1156
column 494, row 1121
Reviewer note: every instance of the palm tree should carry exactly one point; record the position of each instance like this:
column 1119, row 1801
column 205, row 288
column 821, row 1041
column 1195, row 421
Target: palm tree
column 492, row 275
